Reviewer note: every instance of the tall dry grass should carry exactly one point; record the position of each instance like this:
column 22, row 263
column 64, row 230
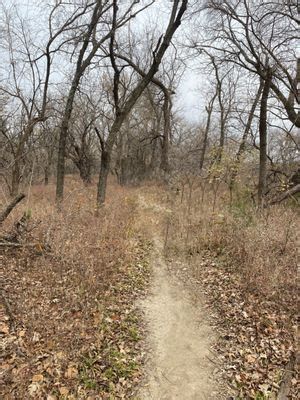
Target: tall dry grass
column 58, row 288
column 260, row 245
column 84, row 250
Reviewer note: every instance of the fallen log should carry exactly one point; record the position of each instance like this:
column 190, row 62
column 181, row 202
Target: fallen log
column 5, row 213
column 289, row 193
column 18, row 231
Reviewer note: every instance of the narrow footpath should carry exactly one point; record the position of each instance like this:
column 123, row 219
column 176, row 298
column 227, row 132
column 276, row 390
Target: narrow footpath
column 180, row 339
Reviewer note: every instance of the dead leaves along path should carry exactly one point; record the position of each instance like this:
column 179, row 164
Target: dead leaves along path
column 87, row 352
column 255, row 346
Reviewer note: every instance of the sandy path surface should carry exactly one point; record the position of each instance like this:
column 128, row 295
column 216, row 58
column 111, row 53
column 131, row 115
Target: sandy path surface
column 179, row 366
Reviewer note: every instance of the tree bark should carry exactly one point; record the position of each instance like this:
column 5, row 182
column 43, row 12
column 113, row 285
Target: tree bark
column 5, row 213
column 19, row 154
column 83, row 161
column 289, row 102
column 209, row 110
column 263, row 139
column 81, row 65
column 46, row 175
column 104, row 171
column 166, row 135
column 289, row 193
column 60, row 177
column 15, row 178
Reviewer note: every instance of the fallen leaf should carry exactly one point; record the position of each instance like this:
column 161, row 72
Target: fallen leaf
column 37, row 378
column 36, row 337
column 250, row 358
column 71, row 372
column 4, row 328
column 33, row 388
column 64, row 391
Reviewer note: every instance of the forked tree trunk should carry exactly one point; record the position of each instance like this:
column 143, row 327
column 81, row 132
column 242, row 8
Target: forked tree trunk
column 174, row 23
column 263, row 140
column 81, row 66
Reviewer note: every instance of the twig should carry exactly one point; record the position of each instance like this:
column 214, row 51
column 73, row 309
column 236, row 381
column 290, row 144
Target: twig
column 12, row 244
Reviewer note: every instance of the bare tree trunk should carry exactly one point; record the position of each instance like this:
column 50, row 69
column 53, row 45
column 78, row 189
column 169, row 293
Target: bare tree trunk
column 242, row 146
column 83, row 162
column 263, row 139
column 5, row 213
column 123, row 155
column 289, row 102
column 288, row 194
column 223, row 115
column 19, row 154
column 46, row 175
column 60, row 177
column 84, row 167
column 209, row 110
column 222, row 138
column 104, row 171
column 166, row 136
column 15, row 178
column 81, row 66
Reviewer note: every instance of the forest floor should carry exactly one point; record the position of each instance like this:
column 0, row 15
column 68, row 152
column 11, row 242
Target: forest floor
column 209, row 334
column 70, row 327
column 104, row 311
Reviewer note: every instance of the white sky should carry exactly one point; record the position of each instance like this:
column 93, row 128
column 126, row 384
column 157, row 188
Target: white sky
column 188, row 95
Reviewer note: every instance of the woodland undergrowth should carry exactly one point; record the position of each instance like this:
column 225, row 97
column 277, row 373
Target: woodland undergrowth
column 245, row 260
column 69, row 324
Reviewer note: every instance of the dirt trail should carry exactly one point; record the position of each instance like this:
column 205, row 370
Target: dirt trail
column 180, row 339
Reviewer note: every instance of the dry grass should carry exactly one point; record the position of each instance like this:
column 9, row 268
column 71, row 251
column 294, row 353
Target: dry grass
column 245, row 261
column 74, row 330
column 259, row 245
column 59, row 290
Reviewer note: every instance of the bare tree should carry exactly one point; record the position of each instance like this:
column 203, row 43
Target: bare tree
column 242, row 145
column 209, row 109
column 247, row 33
column 91, row 40
column 27, row 81
column 263, row 138
column 122, row 111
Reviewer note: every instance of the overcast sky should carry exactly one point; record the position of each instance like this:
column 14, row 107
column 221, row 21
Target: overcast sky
column 188, row 100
